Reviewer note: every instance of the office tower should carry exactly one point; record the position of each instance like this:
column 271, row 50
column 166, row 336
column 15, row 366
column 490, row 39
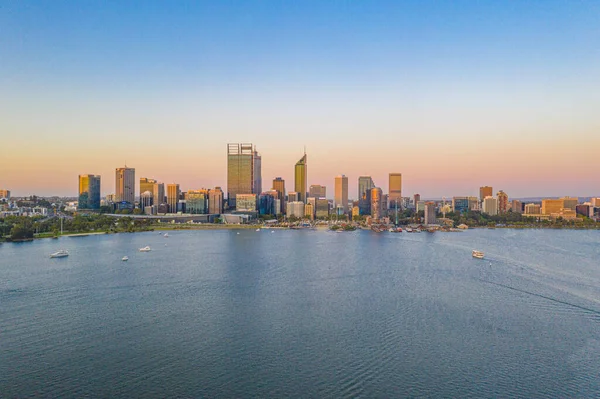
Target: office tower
column 300, row 178
column 474, row 204
column 317, row 191
column 146, row 202
column 594, row 201
column 266, row 202
column 295, row 209
column 158, row 193
column 490, row 205
column 532, row 209
column 584, row 209
column 460, row 204
column 293, row 196
column 146, row 185
column 256, row 172
column 5, row 193
column 570, row 202
column 321, row 208
column 245, row 202
column 365, row 184
column 485, row 191
column 502, row 202
column 341, row 193
column 395, row 189
column 416, row 199
column 420, row 206
column 429, row 216
column 309, row 210
column 243, row 171
column 376, row 203
column 215, row 201
column 196, row 201
column 89, row 192
column 279, row 186
column 173, row 193
column 125, row 185
column 516, row 206
column 550, row 206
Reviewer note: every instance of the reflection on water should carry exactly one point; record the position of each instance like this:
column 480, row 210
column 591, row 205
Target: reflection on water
column 303, row 313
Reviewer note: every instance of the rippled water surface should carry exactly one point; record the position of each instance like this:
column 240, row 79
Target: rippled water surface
column 303, row 314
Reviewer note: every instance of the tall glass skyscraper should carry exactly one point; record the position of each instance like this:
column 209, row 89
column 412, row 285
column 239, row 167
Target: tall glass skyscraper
column 300, row 178
column 125, row 185
column 365, row 183
column 243, row 171
column 89, row 192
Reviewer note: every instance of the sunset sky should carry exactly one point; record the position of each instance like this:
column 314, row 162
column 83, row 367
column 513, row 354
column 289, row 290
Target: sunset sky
column 453, row 95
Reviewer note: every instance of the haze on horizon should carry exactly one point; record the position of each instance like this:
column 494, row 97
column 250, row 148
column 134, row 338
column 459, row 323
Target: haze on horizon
column 453, row 95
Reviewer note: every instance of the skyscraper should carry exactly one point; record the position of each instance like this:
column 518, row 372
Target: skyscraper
column 502, row 201
column 376, row 203
column 5, row 193
column 89, row 192
column 215, row 201
column 485, row 191
column 173, row 193
column 490, row 205
column 317, row 191
column 300, row 178
column 279, row 186
column 395, row 189
column 429, row 215
column 147, row 185
column 341, row 193
column 365, row 183
column 125, row 185
column 158, row 193
column 243, row 171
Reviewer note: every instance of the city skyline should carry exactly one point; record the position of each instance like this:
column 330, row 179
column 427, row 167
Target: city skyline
column 453, row 96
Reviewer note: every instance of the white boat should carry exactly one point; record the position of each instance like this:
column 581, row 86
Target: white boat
column 478, row 254
column 145, row 249
column 257, row 229
column 60, row 254
column 166, row 235
column 124, row 258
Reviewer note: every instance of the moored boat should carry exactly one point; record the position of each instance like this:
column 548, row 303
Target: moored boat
column 145, row 249
column 60, row 254
column 124, row 258
column 478, row 254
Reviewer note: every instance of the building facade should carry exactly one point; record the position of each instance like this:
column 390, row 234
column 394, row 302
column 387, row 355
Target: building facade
column 485, row 191
column 4, row 193
column 321, row 208
column 341, row 193
column 279, row 186
column 377, row 203
column 243, row 171
column 196, row 201
column 317, row 191
column 516, row 206
column 173, row 194
column 300, row 178
column 147, row 184
column 215, row 201
column 245, row 202
column 460, row 204
column 395, row 190
column 430, row 213
column 502, row 202
column 89, row 192
column 365, row 184
column 490, row 205
column 532, row 209
column 295, row 209
column 125, row 185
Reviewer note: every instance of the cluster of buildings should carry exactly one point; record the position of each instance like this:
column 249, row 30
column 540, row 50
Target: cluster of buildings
column 246, row 197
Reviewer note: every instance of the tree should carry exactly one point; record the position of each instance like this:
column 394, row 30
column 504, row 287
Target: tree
column 21, row 232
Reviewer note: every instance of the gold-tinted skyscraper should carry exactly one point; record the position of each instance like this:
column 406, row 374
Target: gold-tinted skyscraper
column 341, row 193
column 125, row 185
column 243, row 171
column 395, row 187
column 89, row 192
column 485, row 191
column 173, row 197
column 300, row 178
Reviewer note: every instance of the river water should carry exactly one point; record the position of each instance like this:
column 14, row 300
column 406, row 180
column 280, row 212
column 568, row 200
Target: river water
column 303, row 314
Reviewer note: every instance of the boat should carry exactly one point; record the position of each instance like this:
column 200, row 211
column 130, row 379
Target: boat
column 145, row 249
column 124, row 258
column 477, row 254
column 409, row 230
column 395, row 230
column 166, row 235
column 60, row 254
column 257, row 229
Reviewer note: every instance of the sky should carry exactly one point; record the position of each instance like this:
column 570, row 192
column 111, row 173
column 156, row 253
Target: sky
column 453, row 95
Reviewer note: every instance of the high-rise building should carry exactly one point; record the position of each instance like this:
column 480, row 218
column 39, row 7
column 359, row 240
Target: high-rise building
column 416, row 199
column 550, row 206
column 300, row 178
column 376, row 203
column 502, row 202
column 309, row 211
column 532, row 209
column 571, row 202
column 173, row 193
column 429, row 216
column 516, row 206
column 594, row 201
column 243, row 171
column 147, row 185
column 474, row 204
column 584, row 209
column 125, row 185
column 279, row 186
column 245, row 202
column 196, row 201
column 460, row 204
column 295, row 209
column 395, row 189
column 485, row 191
column 317, row 191
column 321, row 208
column 89, row 192
column 365, row 184
column 215, row 201
column 341, row 193
column 158, row 193
column 146, row 203
column 490, row 205
column 4, row 193
column 293, row 196
column 267, row 201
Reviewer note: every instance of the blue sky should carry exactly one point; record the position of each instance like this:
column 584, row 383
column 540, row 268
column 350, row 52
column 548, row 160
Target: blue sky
column 368, row 87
